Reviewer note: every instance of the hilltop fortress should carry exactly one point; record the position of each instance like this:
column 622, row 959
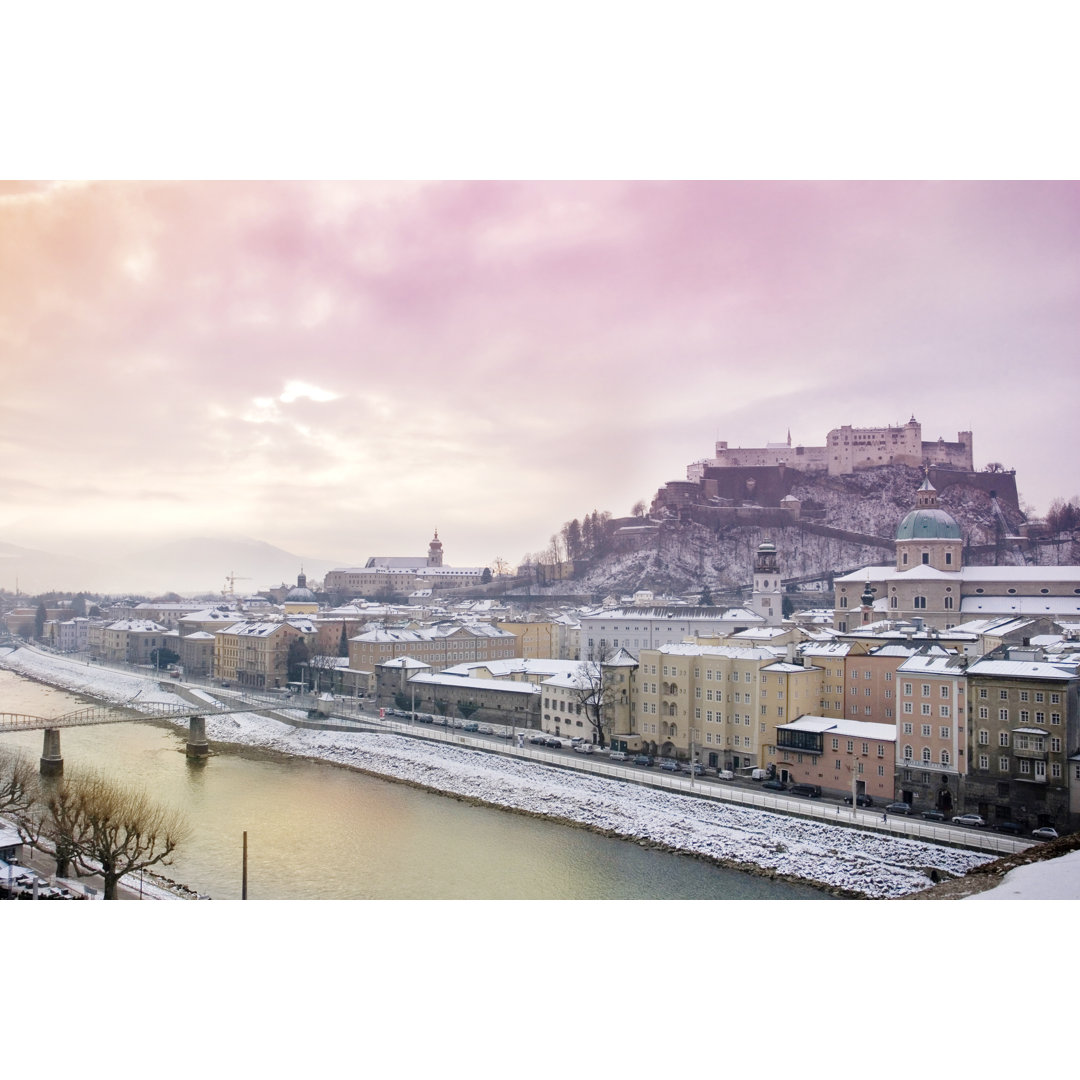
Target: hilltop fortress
column 847, row 450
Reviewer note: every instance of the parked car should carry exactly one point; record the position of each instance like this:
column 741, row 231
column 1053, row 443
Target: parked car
column 696, row 768
column 618, row 755
column 583, row 747
column 642, row 759
column 537, row 740
column 576, row 739
column 424, row 718
column 486, row 729
column 1010, row 828
column 807, row 791
column 670, row 765
column 724, row 774
column 1045, row 832
column 775, row 785
column 860, row 800
column 972, row 820
column 933, row 815
column 898, row 808
column 555, row 744
column 472, row 726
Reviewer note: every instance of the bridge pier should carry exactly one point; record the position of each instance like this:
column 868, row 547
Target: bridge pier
column 197, row 747
column 52, row 761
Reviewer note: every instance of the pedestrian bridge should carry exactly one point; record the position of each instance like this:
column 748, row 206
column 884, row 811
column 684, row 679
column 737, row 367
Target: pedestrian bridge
column 52, row 762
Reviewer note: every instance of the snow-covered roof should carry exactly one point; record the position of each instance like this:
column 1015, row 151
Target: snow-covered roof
column 732, row 652
column 507, row 686
column 1025, row 669
column 935, row 664
column 858, row 729
column 137, row 626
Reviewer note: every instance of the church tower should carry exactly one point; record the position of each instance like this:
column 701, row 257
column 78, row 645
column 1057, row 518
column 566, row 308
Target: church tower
column 434, row 551
column 929, row 536
column 768, row 601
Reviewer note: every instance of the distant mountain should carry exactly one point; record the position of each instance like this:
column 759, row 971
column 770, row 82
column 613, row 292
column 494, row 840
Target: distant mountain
column 32, row 571
column 202, row 564
column 188, row 567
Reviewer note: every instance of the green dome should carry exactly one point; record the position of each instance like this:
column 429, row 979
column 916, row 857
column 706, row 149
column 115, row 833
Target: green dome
column 928, row 524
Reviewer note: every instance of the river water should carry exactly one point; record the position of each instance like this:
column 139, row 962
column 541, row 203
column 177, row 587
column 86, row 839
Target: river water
column 320, row 831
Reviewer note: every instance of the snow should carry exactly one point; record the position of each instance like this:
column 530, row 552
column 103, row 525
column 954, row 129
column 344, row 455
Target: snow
column 1054, row 879
column 859, row 862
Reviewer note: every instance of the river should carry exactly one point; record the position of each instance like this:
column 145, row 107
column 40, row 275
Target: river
column 321, row 831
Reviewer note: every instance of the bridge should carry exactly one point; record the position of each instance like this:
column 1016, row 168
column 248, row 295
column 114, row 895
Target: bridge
column 52, row 761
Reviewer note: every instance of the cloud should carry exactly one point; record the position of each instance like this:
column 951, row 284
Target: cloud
column 506, row 356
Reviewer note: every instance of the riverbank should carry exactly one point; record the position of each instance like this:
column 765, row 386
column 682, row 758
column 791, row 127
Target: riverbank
column 843, row 861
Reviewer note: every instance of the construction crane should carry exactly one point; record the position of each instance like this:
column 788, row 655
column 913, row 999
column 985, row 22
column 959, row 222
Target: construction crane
column 231, row 579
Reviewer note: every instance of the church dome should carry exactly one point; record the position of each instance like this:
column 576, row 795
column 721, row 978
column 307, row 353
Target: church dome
column 299, row 594
column 928, row 523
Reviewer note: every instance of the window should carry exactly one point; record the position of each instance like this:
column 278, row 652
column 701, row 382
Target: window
column 943, row 711
column 944, row 757
column 944, row 732
column 984, row 713
column 984, row 761
column 1003, row 715
column 948, row 603
column 1023, row 695
column 926, row 731
column 945, row 691
column 925, row 710
column 1003, row 695
column 1003, row 738
column 926, row 754
column 1003, row 764
column 919, row 602
column 1055, row 718
column 908, row 708
column 907, row 689
column 984, row 737
column 1055, row 745
column 907, row 754
column 925, row 689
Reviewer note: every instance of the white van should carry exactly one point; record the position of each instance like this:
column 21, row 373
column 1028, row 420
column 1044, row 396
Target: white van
column 724, row 774
column 617, row 755
column 759, row 774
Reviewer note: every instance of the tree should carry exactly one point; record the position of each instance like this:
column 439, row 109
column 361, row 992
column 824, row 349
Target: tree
column 298, row 655
column 111, row 829
column 402, row 700
column 594, row 696
column 18, row 784
column 442, row 706
column 467, row 708
column 485, row 577
column 163, row 657
column 638, row 509
column 1064, row 516
column 343, row 642
column 39, row 620
column 706, row 598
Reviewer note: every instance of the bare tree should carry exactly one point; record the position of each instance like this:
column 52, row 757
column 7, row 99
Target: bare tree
column 111, row 829
column 593, row 695
column 18, row 784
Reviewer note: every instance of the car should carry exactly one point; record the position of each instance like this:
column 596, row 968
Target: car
column 696, row 768
column 933, row 815
column 1045, row 832
column 724, row 774
column 584, row 747
column 618, row 755
column 774, row 785
column 537, row 740
column 555, row 744
column 1010, row 828
column 576, row 739
column 971, row 820
column 424, row 718
column 670, row 765
column 807, row 791
column 860, row 800
column 898, row 808
column 642, row 759
column 486, row 729
column 472, row 726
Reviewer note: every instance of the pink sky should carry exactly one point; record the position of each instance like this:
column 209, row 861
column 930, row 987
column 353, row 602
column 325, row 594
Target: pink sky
column 339, row 368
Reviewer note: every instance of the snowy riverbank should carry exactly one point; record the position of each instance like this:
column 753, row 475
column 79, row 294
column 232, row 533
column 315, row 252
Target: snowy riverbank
column 849, row 861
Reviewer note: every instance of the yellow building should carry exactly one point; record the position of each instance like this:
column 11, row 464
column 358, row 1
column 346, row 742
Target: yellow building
column 256, row 654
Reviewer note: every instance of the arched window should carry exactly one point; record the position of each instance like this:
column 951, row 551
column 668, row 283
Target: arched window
column 673, row 709
column 948, row 603
column 843, row 601
column 944, row 757
column 893, row 602
column 926, row 753
column 919, row 602
column 907, row 753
